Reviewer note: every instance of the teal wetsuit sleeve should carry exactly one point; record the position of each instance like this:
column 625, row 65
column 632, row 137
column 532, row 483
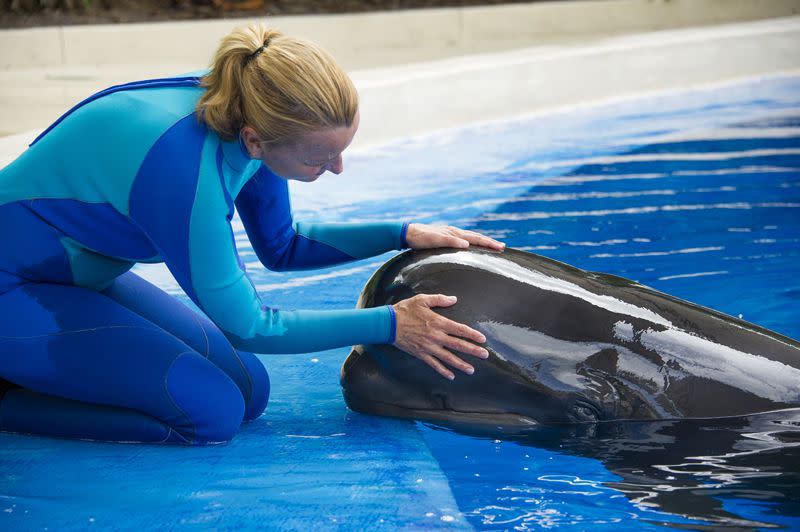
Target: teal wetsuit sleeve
column 282, row 244
column 195, row 239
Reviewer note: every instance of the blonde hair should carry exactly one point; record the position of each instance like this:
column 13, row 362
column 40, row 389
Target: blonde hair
column 278, row 85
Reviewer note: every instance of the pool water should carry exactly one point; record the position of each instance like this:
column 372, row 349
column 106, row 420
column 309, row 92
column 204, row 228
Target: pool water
column 694, row 193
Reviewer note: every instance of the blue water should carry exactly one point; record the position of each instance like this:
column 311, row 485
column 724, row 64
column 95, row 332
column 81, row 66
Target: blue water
column 695, row 193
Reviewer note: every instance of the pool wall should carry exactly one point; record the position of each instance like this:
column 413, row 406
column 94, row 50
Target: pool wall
column 366, row 40
column 417, row 98
column 43, row 71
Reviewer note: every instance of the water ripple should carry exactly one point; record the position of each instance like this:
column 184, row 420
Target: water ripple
column 653, row 157
column 521, row 216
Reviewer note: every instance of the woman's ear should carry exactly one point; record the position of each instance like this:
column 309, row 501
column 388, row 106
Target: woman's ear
column 252, row 142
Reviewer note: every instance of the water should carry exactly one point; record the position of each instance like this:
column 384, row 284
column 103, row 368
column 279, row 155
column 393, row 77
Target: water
column 696, row 194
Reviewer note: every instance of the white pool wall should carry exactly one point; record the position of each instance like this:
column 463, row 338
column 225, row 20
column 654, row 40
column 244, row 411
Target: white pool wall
column 365, row 40
column 414, row 99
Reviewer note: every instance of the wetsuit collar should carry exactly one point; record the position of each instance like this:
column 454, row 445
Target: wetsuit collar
column 235, row 155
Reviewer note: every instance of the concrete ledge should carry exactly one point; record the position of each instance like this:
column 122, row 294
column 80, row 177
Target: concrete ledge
column 402, row 101
column 414, row 99
column 546, row 21
column 31, row 48
column 378, row 39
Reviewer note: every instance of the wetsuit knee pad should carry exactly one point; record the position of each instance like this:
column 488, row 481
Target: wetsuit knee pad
column 247, row 372
column 211, row 403
column 259, row 393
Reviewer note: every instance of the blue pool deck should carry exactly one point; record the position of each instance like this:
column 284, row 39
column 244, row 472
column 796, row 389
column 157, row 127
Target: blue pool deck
column 696, row 193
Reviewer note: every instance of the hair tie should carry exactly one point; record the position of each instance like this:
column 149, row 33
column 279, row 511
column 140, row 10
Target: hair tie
column 258, row 51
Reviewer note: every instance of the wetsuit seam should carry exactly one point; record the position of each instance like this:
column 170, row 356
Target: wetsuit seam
column 205, row 336
column 89, row 329
column 171, row 400
column 169, row 433
column 101, row 253
column 247, row 375
column 343, row 252
column 22, row 281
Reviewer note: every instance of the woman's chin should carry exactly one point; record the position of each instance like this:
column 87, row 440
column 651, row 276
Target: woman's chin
column 303, row 178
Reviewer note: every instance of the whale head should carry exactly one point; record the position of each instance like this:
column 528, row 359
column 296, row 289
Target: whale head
column 566, row 346
column 383, row 380
column 538, row 371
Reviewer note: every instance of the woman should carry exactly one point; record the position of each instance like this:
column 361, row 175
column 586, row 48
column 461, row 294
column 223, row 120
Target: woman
column 149, row 172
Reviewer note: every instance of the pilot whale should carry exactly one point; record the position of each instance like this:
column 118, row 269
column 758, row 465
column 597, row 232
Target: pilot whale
column 567, row 346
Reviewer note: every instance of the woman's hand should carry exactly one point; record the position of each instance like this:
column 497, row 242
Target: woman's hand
column 430, row 337
column 422, row 236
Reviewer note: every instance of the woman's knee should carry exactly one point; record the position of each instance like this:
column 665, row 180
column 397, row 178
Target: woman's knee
column 245, row 369
column 210, row 406
column 256, row 400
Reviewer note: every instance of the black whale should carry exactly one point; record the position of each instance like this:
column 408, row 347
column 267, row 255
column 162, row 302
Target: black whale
column 567, row 345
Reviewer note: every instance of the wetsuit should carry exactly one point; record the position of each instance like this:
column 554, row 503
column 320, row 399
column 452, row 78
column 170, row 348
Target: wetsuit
column 89, row 349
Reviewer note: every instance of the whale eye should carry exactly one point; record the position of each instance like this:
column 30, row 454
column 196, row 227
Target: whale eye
column 583, row 411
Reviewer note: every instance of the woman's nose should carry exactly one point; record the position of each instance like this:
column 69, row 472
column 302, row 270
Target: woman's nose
column 336, row 166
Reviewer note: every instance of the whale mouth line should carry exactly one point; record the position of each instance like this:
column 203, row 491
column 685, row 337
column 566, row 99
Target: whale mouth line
column 478, row 418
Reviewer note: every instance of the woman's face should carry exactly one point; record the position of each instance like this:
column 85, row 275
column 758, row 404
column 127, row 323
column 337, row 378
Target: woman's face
column 311, row 155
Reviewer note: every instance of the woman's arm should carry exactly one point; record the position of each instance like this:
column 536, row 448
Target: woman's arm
column 282, row 244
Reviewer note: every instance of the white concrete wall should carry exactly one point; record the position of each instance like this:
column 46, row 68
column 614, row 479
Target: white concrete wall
column 413, row 99
column 402, row 101
column 381, row 38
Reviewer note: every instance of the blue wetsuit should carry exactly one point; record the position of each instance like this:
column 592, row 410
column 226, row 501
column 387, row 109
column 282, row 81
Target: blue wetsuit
column 89, row 349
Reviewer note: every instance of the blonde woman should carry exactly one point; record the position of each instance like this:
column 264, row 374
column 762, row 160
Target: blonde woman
column 150, row 172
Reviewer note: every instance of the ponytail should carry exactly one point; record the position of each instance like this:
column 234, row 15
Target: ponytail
column 278, row 85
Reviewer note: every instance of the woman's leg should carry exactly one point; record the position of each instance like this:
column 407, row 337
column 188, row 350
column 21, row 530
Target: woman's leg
column 91, row 368
column 199, row 333
column 28, row 412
